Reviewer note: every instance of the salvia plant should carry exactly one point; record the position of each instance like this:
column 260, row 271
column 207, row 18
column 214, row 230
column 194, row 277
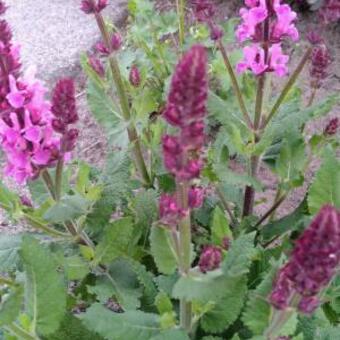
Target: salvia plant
column 171, row 237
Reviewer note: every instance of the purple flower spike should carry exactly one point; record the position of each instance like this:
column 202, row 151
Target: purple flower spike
column 196, row 196
column 188, row 93
column 93, row 6
column 313, row 263
column 64, row 102
column 320, row 62
column 210, row 259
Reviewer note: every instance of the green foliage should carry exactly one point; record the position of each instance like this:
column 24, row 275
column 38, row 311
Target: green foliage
column 220, row 227
column 9, row 247
column 239, row 256
column 228, row 308
column 44, row 289
column 162, row 251
column 115, row 242
column 325, row 188
column 113, row 326
column 11, row 306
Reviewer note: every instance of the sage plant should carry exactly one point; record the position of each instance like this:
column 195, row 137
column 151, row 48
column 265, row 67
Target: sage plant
column 185, row 110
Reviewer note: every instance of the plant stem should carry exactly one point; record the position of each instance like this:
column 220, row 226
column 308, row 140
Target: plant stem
column 59, row 178
column 20, row 332
column 124, row 104
column 288, row 86
column 185, row 251
column 235, row 84
column 226, row 205
column 181, row 21
column 312, row 97
column 48, row 182
column 273, row 208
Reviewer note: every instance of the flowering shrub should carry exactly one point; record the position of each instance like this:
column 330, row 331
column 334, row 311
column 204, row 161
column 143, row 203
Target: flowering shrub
column 165, row 240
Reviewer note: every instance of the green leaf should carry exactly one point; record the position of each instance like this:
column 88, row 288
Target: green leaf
column 228, row 308
column 239, row 256
column 75, row 268
column 115, row 241
column 69, row 208
column 209, row 287
column 145, row 278
column 171, row 334
column 105, row 112
column 220, row 227
column 11, row 306
column 331, row 333
column 161, row 250
column 44, row 288
column 258, row 311
column 289, row 327
column 325, row 188
column 72, row 328
column 8, row 200
column 9, row 247
column 163, row 303
column 115, row 326
column 285, row 224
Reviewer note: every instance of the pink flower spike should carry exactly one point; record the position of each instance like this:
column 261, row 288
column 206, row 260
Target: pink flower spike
column 253, row 60
column 16, row 97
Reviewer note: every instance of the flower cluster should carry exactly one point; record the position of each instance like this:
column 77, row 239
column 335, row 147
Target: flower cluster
column 65, row 113
column 204, row 11
column 330, row 11
column 266, row 23
column 320, row 62
column 116, row 42
column 312, row 265
column 26, row 133
column 185, row 110
column 93, row 6
column 332, row 127
column 210, row 258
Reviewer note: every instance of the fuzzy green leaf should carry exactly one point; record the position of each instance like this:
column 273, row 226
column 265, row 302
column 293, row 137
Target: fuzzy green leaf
column 228, row 308
column 44, row 288
column 239, row 256
column 326, row 185
column 11, row 306
column 9, row 246
column 220, row 227
column 115, row 326
column 161, row 250
column 171, row 334
column 115, row 241
column 257, row 312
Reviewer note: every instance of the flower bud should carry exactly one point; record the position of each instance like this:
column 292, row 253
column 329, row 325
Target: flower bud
column 210, row 258
column 320, row 60
column 26, row 201
column 3, row 7
column 93, row 6
column 102, row 49
column 332, row 127
column 309, row 304
column 70, row 139
column 216, row 32
column 97, row 66
column 169, row 211
column 196, row 197
column 116, row 41
column 134, row 77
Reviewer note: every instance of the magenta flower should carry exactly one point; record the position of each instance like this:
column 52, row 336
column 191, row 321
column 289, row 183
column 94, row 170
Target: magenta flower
column 3, row 7
column 135, row 77
column 210, row 258
column 204, row 10
column 330, row 12
column 169, row 210
column 196, row 197
column 93, row 6
column 266, row 24
column 312, row 265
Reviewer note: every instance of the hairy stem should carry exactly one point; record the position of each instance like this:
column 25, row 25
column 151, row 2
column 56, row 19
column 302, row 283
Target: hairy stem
column 59, row 178
column 312, row 97
column 181, row 21
column 20, row 332
column 291, row 81
column 235, row 84
column 185, row 251
column 225, row 205
column 124, row 104
column 48, row 182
